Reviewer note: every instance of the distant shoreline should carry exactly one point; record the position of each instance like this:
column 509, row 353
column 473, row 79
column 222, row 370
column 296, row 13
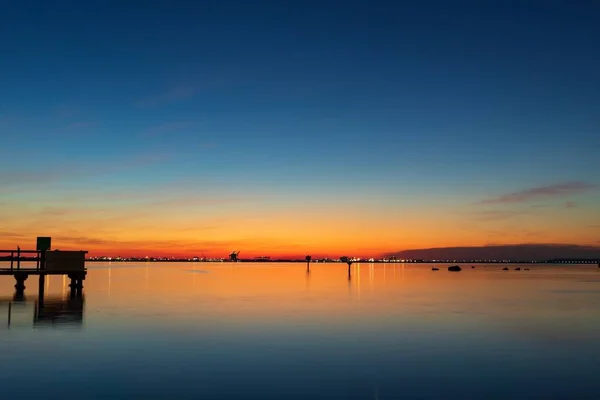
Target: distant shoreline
column 558, row 261
column 329, row 261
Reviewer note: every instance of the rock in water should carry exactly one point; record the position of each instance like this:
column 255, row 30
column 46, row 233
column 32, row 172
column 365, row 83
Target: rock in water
column 454, row 268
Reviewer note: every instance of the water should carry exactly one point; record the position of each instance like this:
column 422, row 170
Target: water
column 272, row 331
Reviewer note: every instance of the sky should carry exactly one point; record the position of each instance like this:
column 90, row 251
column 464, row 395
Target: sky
column 299, row 127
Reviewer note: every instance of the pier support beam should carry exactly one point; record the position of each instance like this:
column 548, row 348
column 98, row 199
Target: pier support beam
column 41, row 289
column 20, row 277
column 76, row 285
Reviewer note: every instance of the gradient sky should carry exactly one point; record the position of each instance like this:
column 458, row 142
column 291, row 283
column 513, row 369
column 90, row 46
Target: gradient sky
column 298, row 127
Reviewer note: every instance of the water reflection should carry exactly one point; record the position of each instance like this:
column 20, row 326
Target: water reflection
column 64, row 310
column 273, row 331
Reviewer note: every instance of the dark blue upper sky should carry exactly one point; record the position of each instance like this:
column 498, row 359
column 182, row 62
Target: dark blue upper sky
column 291, row 93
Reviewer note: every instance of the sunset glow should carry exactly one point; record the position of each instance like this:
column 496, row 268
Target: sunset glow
column 362, row 135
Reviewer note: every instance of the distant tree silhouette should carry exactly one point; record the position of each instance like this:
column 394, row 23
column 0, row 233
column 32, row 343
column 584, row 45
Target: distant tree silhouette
column 346, row 259
column 234, row 256
column 308, row 258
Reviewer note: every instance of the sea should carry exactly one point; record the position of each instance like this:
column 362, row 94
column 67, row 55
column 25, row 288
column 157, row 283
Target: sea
column 284, row 331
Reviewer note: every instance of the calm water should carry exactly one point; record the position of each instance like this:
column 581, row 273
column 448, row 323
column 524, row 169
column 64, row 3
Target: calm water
column 272, row 331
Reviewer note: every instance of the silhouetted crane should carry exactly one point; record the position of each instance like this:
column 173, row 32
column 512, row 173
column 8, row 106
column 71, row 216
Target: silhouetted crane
column 233, row 257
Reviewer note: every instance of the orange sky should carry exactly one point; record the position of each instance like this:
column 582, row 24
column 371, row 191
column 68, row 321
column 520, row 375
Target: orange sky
column 172, row 223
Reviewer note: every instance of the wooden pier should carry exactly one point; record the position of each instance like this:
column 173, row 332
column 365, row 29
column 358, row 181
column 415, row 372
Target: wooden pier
column 42, row 262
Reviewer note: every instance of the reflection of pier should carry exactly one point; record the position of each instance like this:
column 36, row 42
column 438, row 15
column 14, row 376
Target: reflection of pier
column 44, row 311
column 52, row 311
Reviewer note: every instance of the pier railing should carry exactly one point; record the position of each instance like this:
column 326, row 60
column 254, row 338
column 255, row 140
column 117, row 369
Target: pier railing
column 16, row 257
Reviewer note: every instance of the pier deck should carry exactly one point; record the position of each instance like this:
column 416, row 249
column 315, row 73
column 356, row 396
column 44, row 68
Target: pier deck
column 35, row 271
column 23, row 263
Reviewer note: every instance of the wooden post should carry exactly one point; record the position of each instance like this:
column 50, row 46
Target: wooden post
column 20, row 278
column 76, row 285
column 42, row 260
column 41, row 289
column 348, row 261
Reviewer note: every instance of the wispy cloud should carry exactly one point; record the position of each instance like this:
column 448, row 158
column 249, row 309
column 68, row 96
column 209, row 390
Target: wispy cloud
column 167, row 127
column 515, row 231
column 80, row 125
column 539, row 206
column 51, row 174
column 550, row 191
column 169, row 96
column 156, row 246
column 496, row 215
column 65, row 110
column 11, row 235
column 54, row 211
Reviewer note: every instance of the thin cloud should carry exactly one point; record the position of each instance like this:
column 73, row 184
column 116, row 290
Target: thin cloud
column 539, row 206
column 54, row 211
column 169, row 96
column 65, row 111
column 73, row 170
column 195, row 202
column 495, row 215
column 569, row 204
column 80, row 240
column 550, row 191
column 143, row 246
column 80, row 125
column 11, row 235
column 165, row 128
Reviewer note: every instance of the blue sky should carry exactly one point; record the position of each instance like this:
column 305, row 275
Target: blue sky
column 462, row 99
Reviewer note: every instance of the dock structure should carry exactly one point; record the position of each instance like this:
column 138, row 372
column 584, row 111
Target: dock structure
column 41, row 262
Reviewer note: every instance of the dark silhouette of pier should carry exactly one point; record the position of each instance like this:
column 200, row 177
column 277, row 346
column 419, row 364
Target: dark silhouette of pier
column 42, row 262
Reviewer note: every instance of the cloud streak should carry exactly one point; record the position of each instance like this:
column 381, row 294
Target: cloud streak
column 166, row 128
column 497, row 215
column 169, row 96
column 52, row 174
column 550, row 191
